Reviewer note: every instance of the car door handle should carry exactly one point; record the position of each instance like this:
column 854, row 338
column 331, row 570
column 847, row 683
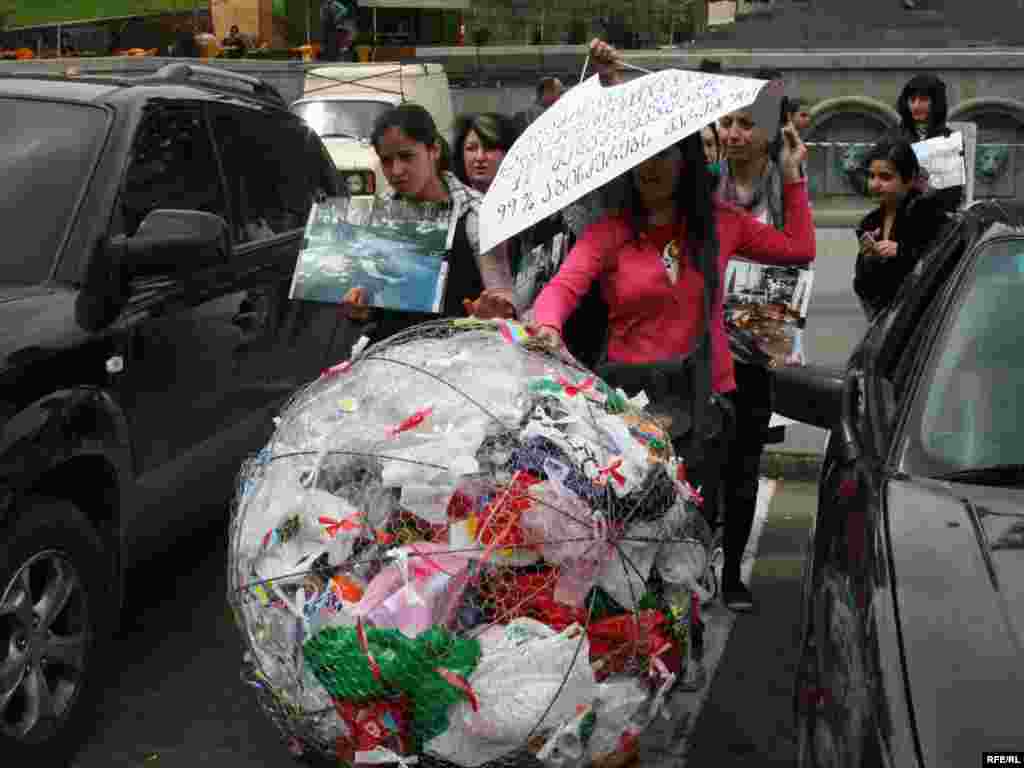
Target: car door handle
column 848, row 430
column 248, row 322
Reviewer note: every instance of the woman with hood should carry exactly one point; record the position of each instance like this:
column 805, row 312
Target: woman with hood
column 923, row 108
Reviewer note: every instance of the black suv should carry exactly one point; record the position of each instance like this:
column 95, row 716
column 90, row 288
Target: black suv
column 151, row 228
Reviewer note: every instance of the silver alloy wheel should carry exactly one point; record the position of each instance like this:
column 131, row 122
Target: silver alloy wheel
column 44, row 633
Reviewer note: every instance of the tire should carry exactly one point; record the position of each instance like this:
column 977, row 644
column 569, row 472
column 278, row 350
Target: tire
column 51, row 655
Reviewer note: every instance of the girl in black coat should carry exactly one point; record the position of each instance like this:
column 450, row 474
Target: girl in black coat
column 894, row 236
column 923, row 108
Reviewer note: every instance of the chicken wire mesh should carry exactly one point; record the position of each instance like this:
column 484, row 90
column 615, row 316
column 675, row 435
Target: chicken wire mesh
column 458, row 550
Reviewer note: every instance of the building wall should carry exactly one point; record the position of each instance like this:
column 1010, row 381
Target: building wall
column 642, row 23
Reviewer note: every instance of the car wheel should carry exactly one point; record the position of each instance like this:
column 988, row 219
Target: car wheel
column 56, row 612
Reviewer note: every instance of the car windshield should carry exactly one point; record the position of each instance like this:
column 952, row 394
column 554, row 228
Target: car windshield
column 972, row 409
column 350, row 119
column 46, row 152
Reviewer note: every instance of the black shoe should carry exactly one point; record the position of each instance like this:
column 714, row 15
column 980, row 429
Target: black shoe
column 738, row 598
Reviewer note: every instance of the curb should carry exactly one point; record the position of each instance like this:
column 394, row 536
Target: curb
column 789, row 465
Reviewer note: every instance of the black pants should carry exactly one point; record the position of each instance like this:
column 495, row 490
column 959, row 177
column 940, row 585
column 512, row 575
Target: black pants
column 752, row 403
column 729, row 474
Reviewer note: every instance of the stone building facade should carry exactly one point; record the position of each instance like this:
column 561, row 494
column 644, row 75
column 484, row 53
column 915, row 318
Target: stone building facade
column 640, row 24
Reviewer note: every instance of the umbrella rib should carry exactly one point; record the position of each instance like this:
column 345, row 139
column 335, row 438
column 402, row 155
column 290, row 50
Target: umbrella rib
column 624, row 65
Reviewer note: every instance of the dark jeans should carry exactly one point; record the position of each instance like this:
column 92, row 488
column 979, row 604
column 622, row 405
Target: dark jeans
column 729, row 475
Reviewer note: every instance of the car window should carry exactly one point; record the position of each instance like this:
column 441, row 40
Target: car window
column 273, row 164
column 47, row 151
column 172, row 165
column 906, row 330
column 352, row 119
column 971, row 408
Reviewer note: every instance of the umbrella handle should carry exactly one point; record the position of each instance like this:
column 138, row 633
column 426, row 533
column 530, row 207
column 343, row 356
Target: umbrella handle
column 586, row 63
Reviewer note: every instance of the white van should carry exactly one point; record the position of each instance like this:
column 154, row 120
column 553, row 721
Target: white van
column 342, row 101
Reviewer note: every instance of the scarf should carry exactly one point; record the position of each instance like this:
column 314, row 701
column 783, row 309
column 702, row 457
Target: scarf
column 764, row 201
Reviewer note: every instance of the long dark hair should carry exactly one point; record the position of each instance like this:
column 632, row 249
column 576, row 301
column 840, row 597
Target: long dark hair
column 496, row 131
column 718, row 140
column 693, row 198
column 934, row 88
column 415, row 122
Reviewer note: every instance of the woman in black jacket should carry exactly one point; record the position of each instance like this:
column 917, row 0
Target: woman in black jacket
column 415, row 161
column 894, row 236
column 923, row 108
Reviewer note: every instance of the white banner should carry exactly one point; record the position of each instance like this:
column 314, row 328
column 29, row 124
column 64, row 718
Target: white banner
column 594, row 134
column 943, row 160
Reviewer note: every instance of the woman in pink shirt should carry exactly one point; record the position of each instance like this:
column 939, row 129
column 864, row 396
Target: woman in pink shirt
column 645, row 259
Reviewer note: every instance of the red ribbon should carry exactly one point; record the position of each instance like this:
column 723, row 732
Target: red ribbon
column 574, row 389
column 333, row 527
column 350, row 523
column 612, row 470
column 364, row 644
column 460, row 683
column 410, row 423
column 335, row 370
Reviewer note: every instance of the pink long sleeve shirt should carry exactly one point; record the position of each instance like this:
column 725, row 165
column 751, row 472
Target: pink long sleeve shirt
column 651, row 318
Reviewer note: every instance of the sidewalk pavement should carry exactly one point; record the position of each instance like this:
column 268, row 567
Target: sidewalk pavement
column 747, row 720
column 742, row 718
column 791, row 465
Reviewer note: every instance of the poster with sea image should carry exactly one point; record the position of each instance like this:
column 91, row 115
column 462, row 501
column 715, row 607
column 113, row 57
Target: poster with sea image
column 394, row 250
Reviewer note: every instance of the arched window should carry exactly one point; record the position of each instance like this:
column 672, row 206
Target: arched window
column 1000, row 137
column 841, row 132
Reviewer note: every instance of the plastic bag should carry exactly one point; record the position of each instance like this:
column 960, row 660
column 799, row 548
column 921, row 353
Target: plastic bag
column 529, row 679
column 316, row 525
column 568, row 533
column 599, row 729
column 625, row 573
column 422, row 588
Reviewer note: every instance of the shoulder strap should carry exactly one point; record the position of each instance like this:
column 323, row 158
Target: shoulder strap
column 464, row 280
column 703, row 357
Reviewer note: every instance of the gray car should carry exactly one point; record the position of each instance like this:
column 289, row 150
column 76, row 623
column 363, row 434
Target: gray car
column 913, row 593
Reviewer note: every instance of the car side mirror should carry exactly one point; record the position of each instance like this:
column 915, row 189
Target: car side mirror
column 810, row 394
column 172, row 242
column 168, row 242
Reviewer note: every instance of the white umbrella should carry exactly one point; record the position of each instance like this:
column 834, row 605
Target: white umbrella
column 594, row 134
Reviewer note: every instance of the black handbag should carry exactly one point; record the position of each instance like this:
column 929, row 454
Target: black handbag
column 670, row 386
column 679, row 388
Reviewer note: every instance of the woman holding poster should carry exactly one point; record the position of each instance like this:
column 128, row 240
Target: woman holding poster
column 414, row 160
column 752, row 179
column 647, row 260
column 923, row 108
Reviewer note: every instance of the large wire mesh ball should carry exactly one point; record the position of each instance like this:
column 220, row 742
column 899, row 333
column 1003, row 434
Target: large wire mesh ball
column 457, row 548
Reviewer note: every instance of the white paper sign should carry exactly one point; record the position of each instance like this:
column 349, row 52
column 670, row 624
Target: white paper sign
column 594, row 134
column 943, row 159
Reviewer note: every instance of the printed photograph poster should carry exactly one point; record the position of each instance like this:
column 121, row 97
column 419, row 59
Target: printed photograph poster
column 770, row 304
column 942, row 159
column 395, row 251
